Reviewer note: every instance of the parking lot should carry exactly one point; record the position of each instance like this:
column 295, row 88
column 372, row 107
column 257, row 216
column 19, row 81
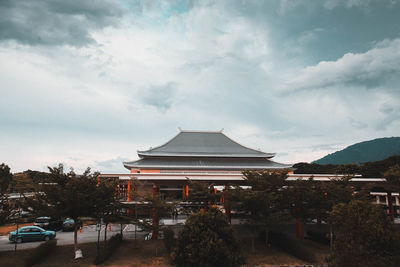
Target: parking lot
column 89, row 234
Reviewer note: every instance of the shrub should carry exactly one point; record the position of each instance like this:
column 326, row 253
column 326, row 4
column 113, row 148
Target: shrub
column 40, row 252
column 365, row 236
column 207, row 240
column 320, row 237
column 291, row 245
column 108, row 249
column 169, row 239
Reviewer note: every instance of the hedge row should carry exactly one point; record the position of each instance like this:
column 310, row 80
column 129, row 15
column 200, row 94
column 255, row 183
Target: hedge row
column 106, row 251
column 320, row 237
column 40, row 252
column 291, row 245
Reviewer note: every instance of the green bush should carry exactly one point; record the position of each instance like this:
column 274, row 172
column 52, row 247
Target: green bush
column 169, row 239
column 40, row 252
column 365, row 236
column 320, row 237
column 207, row 240
column 108, row 249
column 291, row 245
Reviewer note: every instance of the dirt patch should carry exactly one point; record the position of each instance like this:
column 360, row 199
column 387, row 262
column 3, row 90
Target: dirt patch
column 152, row 253
column 141, row 253
column 6, row 229
column 264, row 256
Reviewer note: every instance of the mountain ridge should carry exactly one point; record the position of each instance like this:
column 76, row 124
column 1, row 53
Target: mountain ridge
column 362, row 152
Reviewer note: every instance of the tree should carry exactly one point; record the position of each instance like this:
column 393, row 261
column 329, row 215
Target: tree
column 305, row 202
column 37, row 176
column 5, row 179
column 203, row 193
column 207, row 240
column 265, row 202
column 155, row 205
column 348, row 169
column 23, row 183
column 312, row 199
column 313, row 168
column 365, row 236
column 392, row 177
column 74, row 196
column 378, row 168
column 334, row 192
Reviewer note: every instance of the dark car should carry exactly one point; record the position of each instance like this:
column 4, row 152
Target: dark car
column 69, row 224
column 48, row 223
column 31, row 233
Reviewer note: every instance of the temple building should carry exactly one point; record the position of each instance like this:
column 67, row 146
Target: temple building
column 206, row 156
column 212, row 158
column 202, row 152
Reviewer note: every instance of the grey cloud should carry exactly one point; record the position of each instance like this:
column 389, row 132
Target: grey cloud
column 386, row 109
column 331, row 147
column 286, row 5
column 51, row 22
column 370, row 69
column 357, row 124
column 331, row 4
column 349, row 25
column 308, row 36
column 109, row 164
column 160, row 97
column 387, row 121
column 391, row 114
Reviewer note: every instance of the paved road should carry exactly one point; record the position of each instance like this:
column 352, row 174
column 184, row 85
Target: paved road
column 89, row 234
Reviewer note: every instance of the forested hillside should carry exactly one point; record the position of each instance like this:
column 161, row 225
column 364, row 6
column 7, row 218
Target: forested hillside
column 368, row 169
column 368, row 151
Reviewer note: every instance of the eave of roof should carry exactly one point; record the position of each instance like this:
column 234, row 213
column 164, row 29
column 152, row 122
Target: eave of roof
column 217, row 155
column 206, row 163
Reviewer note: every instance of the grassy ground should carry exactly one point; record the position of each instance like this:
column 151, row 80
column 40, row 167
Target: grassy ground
column 152, row 253
column 143, row 253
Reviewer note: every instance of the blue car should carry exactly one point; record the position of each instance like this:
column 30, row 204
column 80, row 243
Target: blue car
column 31, row 233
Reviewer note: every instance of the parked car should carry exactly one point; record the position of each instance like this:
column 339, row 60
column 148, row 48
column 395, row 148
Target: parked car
column 31, row 233
column 48, row 223
column 69, row 224
column 160, row 235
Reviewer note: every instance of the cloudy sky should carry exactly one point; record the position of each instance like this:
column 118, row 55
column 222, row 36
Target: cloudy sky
column 88, row 83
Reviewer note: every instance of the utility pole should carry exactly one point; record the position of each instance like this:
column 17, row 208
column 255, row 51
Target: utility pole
column 98, row 228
